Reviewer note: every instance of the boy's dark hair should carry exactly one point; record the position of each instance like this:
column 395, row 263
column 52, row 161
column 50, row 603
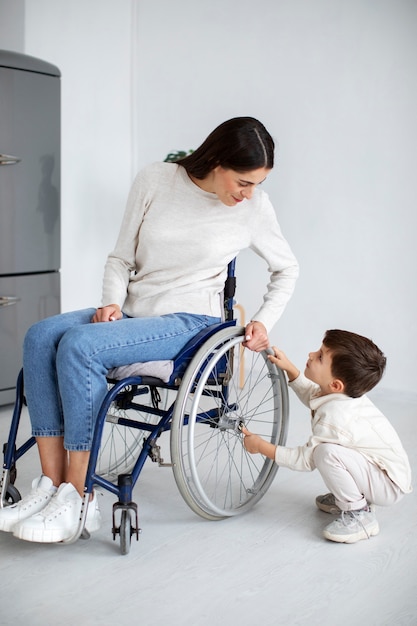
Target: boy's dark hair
column 241, row 144
column 356, row 361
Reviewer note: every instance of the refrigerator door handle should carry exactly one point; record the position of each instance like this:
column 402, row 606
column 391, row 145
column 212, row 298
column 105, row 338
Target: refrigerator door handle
column 8, row 300
column 8, row 159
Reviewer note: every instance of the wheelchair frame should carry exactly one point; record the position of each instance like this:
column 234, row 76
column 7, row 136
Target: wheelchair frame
column 206, row 403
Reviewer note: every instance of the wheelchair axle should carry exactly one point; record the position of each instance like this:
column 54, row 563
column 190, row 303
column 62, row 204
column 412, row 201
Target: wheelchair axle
column 223, row 422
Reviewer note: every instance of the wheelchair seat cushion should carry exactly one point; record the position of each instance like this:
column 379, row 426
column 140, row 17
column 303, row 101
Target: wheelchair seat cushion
column 156, row 369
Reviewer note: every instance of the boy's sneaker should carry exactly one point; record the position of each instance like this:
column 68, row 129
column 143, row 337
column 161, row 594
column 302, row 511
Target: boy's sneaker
column 38, row 498
column 58, row 521
column 327, row 504
column 353, row 526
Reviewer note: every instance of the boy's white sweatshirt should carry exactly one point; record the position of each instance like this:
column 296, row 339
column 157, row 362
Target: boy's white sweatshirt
column 355, row 423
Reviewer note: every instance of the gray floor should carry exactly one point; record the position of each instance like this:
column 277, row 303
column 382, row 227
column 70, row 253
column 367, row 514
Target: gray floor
column 268, row 567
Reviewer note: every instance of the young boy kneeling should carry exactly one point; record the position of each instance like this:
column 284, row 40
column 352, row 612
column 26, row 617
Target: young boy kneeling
column 353, row 445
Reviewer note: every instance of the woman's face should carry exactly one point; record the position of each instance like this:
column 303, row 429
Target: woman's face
column 232, row 187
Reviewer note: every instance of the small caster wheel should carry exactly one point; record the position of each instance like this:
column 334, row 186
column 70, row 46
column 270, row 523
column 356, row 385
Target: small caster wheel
column 12, row 495
column 125, row 532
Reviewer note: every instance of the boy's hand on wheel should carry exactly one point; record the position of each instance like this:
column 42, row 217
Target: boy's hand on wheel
column 255, row 444
column 250, row 441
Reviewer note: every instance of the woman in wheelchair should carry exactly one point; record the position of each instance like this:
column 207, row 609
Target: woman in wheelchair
column 163, row 283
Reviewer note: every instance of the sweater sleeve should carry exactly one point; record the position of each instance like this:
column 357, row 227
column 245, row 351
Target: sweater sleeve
column 269, row 243
column 304, row 388
column 121, row 261
column 299, row 458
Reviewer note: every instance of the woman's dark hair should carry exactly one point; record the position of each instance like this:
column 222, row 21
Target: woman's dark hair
column 356, row 361
column 241, row 144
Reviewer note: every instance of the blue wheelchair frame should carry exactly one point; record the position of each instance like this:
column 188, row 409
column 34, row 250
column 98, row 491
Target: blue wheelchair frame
column 124, row 394
column 117, row 394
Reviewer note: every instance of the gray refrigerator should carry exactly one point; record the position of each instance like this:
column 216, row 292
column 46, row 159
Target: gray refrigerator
column 29, row 204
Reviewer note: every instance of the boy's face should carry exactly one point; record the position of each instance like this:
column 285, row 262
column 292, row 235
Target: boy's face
column 318, row 369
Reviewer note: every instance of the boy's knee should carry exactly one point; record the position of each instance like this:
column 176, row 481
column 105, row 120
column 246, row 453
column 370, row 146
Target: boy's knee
column 325, row 453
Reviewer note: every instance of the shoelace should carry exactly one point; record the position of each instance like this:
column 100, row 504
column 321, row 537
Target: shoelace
column 52, row 507
column 33, row 498
column 349, row 518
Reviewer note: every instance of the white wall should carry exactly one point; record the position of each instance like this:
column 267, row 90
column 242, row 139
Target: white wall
column 12, row 25
column 91, row 44
column 335, row 82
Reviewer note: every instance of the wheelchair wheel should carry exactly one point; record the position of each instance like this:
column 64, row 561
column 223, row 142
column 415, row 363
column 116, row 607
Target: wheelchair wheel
column 120, row 444
column 225, row 386
column 125, row 532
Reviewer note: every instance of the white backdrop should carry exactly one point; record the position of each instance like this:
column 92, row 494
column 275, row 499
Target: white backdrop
column 335, row 82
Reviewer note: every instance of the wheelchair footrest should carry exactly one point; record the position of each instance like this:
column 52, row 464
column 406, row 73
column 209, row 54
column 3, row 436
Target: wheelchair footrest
column 155, row 455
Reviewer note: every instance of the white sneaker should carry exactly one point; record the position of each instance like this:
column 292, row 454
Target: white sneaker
column 57, row 521
column 38, row 498
column 353, row 526
column 328, row 504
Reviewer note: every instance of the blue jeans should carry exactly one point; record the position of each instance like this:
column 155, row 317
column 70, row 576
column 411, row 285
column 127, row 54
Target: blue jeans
column 66, row 358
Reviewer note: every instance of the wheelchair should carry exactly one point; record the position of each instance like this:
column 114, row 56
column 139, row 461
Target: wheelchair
column 209, row 391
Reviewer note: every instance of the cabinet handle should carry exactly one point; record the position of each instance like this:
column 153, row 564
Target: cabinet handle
column 8, row 300
column 8, row 159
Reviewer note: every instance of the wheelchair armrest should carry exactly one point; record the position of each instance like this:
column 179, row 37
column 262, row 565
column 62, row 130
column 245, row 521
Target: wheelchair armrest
column 182, row 360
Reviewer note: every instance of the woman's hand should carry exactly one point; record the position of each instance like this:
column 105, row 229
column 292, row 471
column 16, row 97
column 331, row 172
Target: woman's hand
column 109, row 313
column 256, row 337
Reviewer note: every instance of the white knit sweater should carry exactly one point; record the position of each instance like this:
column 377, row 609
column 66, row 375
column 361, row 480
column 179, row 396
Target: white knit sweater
column 175, row 243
